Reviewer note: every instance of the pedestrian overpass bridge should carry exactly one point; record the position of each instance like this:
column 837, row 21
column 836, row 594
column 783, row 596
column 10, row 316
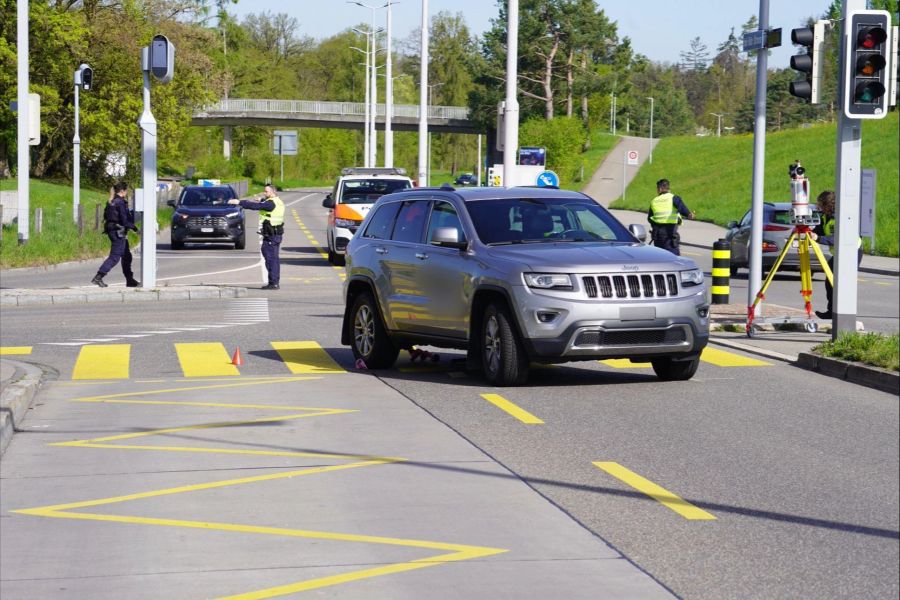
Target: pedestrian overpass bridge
column 234, row 112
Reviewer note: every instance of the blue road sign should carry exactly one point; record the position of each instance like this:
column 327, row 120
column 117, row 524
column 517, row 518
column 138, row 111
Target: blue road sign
column 547, row 179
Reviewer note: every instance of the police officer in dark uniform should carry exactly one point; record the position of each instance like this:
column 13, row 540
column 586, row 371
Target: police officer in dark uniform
column 271, row 223
column 117, row 221
column 665, row 213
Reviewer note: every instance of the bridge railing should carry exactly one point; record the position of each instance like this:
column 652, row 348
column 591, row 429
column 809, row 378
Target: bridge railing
column 320, row 107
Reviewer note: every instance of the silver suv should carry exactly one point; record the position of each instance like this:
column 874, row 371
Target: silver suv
column 514, row 275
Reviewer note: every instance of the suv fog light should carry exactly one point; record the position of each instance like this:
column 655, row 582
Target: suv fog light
column 546, row 316
column 703, row 311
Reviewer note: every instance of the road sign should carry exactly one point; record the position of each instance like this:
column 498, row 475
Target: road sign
column 632, row 157
column 285, row 143
column 547, row 179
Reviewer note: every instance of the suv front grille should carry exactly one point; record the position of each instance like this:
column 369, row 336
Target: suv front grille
column 633, row 337
column 216, row 222
column 647, row 285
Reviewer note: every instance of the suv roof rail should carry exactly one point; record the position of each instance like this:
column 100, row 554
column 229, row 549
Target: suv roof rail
column 373, row 171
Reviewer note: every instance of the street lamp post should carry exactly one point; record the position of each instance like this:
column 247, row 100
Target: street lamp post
column 83, row 79
column 389, row 96
column 422, row 175
column 372, row 152
column 651, row 128
column 719, row 125
column 430, row 104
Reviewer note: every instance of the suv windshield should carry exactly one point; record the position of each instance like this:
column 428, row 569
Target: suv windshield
column 206, row 197
column 530, row 220
column 367, row 191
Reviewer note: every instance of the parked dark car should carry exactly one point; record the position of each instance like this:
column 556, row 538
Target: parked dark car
column 466, row 179
column 777, row 229
column 202, row 214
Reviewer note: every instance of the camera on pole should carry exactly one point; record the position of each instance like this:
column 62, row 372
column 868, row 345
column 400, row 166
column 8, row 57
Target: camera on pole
column 162, row 58
column 84, row 77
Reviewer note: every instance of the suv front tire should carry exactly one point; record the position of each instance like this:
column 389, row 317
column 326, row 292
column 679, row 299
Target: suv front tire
column 503, row 358
column 370, row 341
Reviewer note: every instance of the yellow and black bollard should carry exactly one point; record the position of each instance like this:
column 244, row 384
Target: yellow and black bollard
column 721, row 271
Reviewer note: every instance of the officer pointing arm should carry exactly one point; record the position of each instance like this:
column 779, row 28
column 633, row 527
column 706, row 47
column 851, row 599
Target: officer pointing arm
column 271, row 221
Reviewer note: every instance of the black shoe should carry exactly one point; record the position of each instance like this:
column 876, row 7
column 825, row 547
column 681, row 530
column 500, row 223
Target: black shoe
column 271, row 286
column 824, row 314
column 132, row 283
column 98, row 280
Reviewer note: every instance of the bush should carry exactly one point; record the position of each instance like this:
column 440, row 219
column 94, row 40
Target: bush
column 871, row 348
column 563, row 137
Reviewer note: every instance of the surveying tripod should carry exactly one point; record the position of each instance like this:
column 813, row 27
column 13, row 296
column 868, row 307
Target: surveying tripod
column 801, row 218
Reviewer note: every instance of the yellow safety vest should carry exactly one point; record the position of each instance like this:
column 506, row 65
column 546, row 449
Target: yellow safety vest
column 275, row 216
column 828, row 229
column 663, row 211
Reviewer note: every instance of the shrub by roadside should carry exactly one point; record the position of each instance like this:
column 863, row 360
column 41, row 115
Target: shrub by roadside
column 870, row 348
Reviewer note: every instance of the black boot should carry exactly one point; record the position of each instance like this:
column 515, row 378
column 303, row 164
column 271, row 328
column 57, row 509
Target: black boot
column 98, row 279
column 132, row 283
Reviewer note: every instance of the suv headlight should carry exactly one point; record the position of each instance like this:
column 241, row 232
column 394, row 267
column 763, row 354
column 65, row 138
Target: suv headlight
column 691, row 278
column 346, row 223
column 548, row 281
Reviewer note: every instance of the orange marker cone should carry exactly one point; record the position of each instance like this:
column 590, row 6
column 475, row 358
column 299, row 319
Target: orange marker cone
column 237, row 359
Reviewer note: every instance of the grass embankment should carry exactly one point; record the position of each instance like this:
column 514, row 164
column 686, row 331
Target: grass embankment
column 59, row 240
column 870, row 348
column 714, row 175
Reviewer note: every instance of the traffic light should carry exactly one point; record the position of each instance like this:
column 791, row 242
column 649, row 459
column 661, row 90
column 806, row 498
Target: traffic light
column 808, row 63
column 867, row 64
column 87, row 77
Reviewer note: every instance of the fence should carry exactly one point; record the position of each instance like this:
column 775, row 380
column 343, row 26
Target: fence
column 316, row 107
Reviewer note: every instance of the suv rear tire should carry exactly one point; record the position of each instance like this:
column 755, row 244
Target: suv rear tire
column 675, row 370
column 370, row 341
column 503, row 358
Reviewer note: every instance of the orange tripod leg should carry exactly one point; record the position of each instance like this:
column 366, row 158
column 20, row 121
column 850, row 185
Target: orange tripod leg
column 761, row 295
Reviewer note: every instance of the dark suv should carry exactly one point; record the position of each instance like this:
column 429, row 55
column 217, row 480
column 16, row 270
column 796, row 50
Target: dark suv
column 515, row 275
column 202, row 214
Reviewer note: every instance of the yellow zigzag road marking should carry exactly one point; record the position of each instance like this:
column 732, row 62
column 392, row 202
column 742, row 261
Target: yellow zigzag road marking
column 453, row 552
column 316, row 244
column 713, row 356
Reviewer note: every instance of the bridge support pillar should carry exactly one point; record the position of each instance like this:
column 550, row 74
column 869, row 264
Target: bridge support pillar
column 226, row 142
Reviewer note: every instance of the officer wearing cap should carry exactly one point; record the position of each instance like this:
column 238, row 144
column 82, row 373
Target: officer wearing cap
column 117, row 221
column 271, row 222
column 666, row 211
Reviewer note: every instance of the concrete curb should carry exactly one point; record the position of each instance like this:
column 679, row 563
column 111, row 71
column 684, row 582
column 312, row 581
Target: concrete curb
column 22, row 297
column 858, row 373
column 16, row 398
column 753, row 350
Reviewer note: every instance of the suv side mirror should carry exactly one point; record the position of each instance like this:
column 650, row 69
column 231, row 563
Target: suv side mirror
column 328, row 202
column 732, row 225
column 448, row 237
column 171, row 203
column 638, row 231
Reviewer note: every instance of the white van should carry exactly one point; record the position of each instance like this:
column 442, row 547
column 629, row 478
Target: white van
column 354, row 193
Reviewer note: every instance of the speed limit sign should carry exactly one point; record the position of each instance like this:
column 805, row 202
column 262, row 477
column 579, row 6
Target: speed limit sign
column 632, row 156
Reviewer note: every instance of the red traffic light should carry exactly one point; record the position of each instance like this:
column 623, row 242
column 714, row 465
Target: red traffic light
column 871, row 37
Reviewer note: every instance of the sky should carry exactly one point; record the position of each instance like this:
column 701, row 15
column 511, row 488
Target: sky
column 659, row 29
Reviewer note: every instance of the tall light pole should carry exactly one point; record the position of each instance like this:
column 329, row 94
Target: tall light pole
column 511, row 118
column 389, row 96
column 651, row 128
column 366, row 105
column 431, row 103
column 23, row 149
column 422, row 175
column 719, row 125
column 372, row 152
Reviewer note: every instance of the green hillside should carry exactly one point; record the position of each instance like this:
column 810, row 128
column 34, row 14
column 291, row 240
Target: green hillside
column 714, row 175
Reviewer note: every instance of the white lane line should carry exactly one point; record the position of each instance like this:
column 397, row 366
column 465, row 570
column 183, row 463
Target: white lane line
column 132, row 335
column 86, row 340
column 303, row 198
column 260, row 263
column 63, row 343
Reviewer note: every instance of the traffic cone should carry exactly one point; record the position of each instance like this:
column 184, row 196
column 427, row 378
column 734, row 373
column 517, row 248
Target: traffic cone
column 237, row 359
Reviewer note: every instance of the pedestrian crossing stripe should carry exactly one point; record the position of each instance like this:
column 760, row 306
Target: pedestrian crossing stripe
column 306, row 357
column 205, row 360
column 14, row 350
column 109, row 361
column 713, row 356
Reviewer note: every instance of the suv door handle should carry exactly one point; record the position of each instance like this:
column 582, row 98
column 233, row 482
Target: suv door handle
column 421, row 255
column 380, row 249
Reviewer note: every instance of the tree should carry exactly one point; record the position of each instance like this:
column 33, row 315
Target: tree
column 696, row 58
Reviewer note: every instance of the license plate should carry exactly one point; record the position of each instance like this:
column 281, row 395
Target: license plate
column 206, row 230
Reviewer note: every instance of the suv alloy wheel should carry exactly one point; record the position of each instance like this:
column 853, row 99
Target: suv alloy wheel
column 370, row 341
column 502, row 356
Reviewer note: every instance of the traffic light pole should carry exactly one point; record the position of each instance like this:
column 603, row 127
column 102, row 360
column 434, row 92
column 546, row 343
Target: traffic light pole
column 847, row 186
column 148, row 142
column 754, row 279
column 76, row 160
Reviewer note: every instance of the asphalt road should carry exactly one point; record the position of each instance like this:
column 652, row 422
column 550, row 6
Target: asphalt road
column 773, row 482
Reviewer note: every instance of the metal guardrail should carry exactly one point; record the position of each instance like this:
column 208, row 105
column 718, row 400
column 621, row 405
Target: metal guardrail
column 317, row 107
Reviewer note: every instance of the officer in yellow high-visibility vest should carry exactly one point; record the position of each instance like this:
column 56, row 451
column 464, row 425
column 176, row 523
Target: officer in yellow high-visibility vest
column 271, row 223
column 824, row 234
column 665, row 213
